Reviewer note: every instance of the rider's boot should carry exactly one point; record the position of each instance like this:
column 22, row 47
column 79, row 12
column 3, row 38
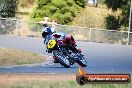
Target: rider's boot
column 55, row 60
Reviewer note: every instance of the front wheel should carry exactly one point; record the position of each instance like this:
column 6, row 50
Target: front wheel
column 82, row 61
column 63, row 59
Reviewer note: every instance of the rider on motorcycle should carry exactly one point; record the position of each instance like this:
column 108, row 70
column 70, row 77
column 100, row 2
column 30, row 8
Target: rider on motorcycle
column 65, row 40
column 47, row 31
column 62, row 45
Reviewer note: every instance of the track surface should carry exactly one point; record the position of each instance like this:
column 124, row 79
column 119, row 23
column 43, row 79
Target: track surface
column 101, row 58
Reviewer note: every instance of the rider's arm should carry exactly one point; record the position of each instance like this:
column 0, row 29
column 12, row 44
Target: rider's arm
column 45, row 22
column 41, row 22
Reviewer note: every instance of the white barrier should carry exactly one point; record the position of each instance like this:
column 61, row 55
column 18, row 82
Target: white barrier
column 10, row 26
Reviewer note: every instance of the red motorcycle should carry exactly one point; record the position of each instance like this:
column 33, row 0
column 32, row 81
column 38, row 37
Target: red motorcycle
column 65, row 51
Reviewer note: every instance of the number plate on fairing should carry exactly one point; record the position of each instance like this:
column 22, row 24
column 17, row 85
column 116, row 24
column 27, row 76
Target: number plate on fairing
column 51, row 44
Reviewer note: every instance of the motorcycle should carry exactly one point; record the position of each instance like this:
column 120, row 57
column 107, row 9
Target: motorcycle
column 64, row 54
column 76, row 56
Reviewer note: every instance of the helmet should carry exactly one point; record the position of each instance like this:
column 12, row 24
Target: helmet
column 69, row 37
column 59, row 35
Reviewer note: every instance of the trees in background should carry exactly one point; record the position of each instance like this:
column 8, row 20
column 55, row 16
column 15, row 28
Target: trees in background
column 8, row 8
column 118, row 20
column 61, row 10
column 81, row 3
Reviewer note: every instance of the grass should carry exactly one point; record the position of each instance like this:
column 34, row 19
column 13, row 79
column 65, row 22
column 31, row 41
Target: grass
column 92, row 17
column 62, row 84
column 17, row 57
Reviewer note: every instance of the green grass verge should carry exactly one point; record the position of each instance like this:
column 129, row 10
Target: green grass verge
column 63, row 84
column 17, row 57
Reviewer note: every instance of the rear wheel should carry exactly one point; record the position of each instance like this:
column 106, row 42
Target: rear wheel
column 63, row 59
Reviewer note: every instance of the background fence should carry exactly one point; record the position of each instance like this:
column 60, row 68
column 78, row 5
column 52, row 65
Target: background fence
column 31, row 29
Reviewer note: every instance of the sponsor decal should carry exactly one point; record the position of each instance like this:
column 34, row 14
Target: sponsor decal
column 82, row 78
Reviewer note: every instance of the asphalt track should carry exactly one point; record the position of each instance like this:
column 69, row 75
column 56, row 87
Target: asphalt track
column 101, row 58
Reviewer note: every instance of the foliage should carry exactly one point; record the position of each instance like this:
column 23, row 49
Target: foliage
column 81, row 3
column 8, row 8
column 124, row 6
column 61, row 10
column 112, row 23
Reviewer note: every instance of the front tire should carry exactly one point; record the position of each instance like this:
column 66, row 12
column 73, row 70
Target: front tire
column 82, row 61
column 63, row 59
